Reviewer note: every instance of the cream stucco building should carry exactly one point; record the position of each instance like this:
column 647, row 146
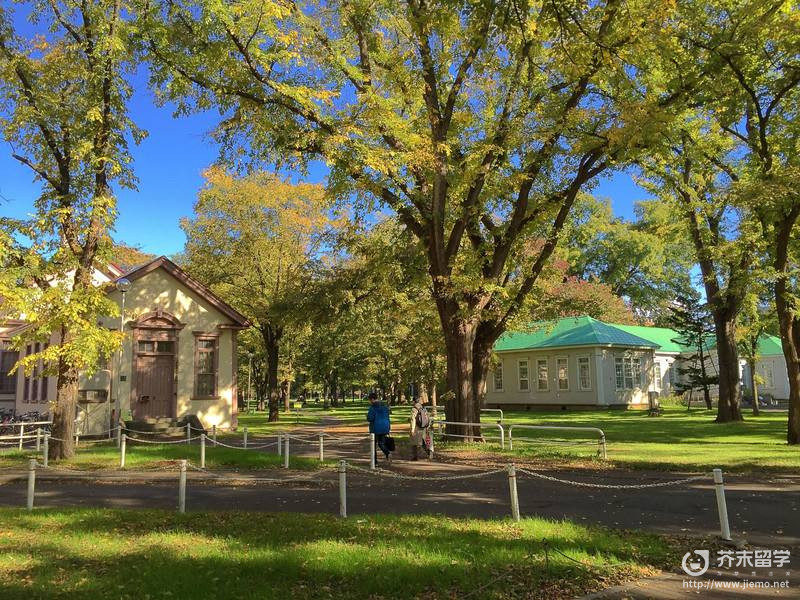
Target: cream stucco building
column 179, row 357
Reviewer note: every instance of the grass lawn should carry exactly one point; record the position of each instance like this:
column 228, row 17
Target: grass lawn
column 257, row 424
column 677, row 440
column 83, row 553
column 152, row 456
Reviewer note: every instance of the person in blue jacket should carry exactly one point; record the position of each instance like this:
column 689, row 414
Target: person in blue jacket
column 379, row 424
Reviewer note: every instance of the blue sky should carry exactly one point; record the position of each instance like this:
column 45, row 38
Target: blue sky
column 169, row 165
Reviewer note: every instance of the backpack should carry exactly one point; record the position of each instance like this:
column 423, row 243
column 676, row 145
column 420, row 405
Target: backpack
column 423, row 420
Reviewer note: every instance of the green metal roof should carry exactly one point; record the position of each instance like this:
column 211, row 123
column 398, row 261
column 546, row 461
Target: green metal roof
column 571, row 331
column 662, row 337
column 768, row 345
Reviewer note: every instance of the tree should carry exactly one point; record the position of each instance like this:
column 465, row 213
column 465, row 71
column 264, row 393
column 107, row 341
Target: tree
column 476, row 123
column 692, row 320
column 128, row 257
column 252, row 240
column 63, row 109
column 753, row 47
column 694, row 178
column 644, row 261
column 755, row 320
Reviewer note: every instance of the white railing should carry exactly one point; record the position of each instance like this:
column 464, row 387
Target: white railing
column 601, row 436
column 494, row 410
column 466, row 424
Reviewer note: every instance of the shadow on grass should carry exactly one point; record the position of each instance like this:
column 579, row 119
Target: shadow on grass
column 111, row 553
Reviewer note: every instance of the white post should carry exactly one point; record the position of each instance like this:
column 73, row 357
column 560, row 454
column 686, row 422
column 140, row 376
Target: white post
column 372, row 451
column 722, row 508
column 77, row 437
column 118, row 434
column 343, row 488
column 245, row 437
column 214, row 434
column 280, row 444
column 321, row 449
column 286, row 451
column 31, row 482
column 182, row 488
column 21, row 434
column 122, row 451
column 188, row 432
column 38, row 439
column 603, row 446
column 202, row 450
column 431, row 448
column 46, row 449
column 512, row 488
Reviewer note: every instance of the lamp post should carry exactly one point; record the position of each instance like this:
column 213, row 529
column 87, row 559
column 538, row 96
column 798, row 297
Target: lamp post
column 122, row 285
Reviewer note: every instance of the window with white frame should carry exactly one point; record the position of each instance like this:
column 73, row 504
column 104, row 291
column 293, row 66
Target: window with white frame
column 628, row 371
column 522, row 374
column 769, row 378
column 562, row 372
column 542, row 381
column 657, row 376
column 584, row 374
column 498, row 378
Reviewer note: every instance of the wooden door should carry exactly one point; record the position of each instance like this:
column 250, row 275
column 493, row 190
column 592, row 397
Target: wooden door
column 154, row 386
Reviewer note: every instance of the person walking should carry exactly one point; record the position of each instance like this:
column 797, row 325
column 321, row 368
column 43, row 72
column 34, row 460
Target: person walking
column 420, row 422
column 380, row 425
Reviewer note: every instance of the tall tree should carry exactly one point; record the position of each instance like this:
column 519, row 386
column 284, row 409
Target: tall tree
column 252, row 240
column 754, row 46
column 63, row 110
column 477, row 123
column 694, row 177
column 692, row 320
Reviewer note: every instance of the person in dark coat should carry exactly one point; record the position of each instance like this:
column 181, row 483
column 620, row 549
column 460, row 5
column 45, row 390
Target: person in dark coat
column 379, row 424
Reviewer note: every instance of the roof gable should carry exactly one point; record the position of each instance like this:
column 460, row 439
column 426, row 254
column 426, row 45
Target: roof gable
column 162, row 262
column 570, row 332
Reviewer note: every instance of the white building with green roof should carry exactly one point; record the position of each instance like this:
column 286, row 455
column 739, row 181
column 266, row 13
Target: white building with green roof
column 580, row 362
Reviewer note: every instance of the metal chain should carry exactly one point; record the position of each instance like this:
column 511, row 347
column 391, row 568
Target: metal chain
column 181, row 441
column 607, row 486
column 224, row 445
column 390, row 474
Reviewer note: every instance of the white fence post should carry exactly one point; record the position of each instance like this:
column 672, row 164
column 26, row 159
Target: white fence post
column 343, row 488
column 21, row 434
column 38, row 439
column 512, row 489
column 372, row 451
column 118, row 434
column 286, row 451
column 280, row 444
column 603, row 452
column 46, row 449
column 182, row 488
column 122, row 451
column 321, row 449
column 31, row 482
column 214, row 434
column 722, row 508
column 202, row 450
column 245, row 437
column 188, row 432
column 77, row 437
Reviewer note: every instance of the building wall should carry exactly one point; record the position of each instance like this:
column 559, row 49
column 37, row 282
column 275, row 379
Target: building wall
column 769, row 365
column 158, row 289
column 602, row 390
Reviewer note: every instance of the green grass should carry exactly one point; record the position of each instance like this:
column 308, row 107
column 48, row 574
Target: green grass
column 258, row 425
column 677, row 440
column 80, row 553
column 152, row 456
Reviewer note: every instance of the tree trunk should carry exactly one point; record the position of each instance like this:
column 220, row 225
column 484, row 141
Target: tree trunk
column 62, row 444
column 704, row 377
column 461, row 405
column 271, row 336
column 285, row 395
column 751, row 364
column 728, row 408
column 423, row 392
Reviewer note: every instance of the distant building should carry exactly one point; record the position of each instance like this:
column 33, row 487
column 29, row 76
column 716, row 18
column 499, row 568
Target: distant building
column 581, row 362
column 179, row 356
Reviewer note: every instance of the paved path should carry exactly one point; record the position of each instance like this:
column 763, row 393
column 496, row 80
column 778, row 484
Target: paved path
column 763, row 510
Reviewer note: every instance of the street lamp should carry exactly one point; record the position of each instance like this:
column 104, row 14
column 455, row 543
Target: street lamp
column 122, row 285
